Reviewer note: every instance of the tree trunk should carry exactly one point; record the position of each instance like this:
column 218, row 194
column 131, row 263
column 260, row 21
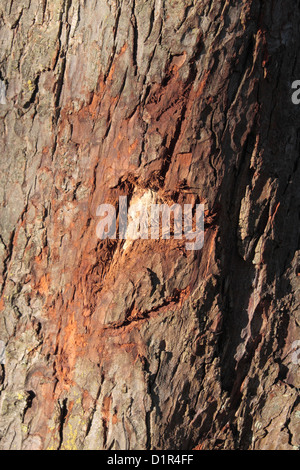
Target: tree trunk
column 144, row 344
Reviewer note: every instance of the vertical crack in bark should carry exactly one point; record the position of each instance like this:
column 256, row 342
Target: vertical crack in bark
column 63, row 405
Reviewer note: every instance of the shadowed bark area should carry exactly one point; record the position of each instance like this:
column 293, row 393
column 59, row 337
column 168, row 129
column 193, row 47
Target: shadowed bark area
column 145, row 345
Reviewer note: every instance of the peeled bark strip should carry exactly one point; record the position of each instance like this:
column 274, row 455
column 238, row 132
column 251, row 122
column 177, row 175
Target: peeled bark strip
column 147, row 345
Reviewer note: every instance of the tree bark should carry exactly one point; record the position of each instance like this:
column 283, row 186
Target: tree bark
column 145, row 345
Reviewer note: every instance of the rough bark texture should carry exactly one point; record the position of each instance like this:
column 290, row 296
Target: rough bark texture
column 149, row 346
